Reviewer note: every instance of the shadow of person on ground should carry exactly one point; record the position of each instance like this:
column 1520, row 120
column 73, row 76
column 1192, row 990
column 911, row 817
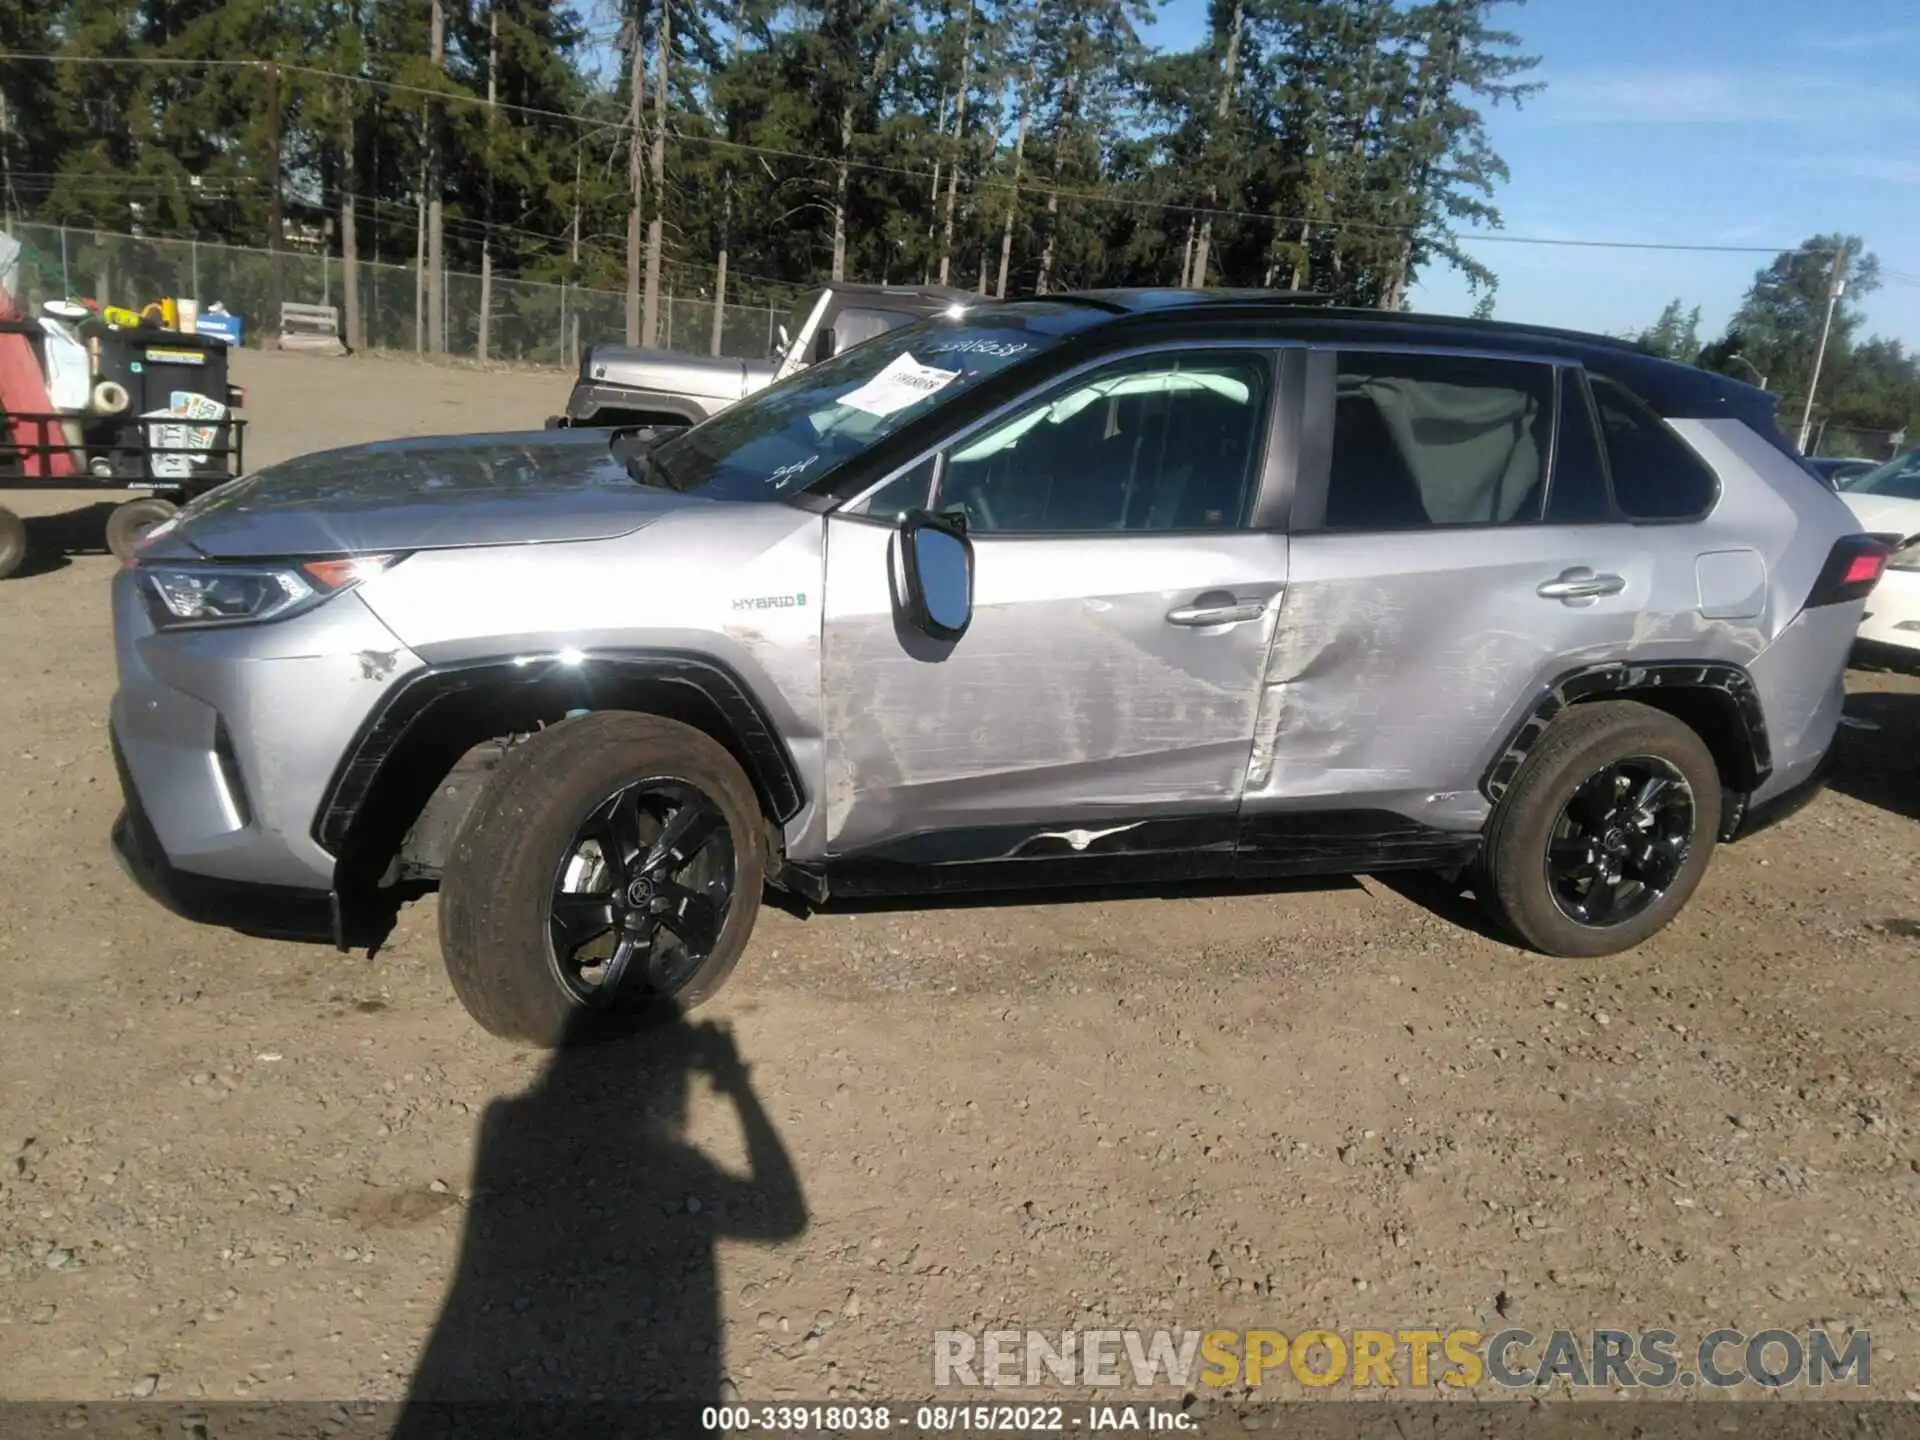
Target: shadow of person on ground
column 1881, row 764
column 587, row 1276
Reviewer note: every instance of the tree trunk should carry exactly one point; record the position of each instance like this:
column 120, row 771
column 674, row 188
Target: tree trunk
column 1303, row 262
column 726, row 222
column 636, row 176
column 1013, row 197
column 276, row 222
column 959, row 139
column 1045, row 282
column 486, row 240
column 436, row 253
column 356, row 335
column 1436, row 78
column 839, row 271
column 1186, row 258
column 1068, row 112
column 356, row 332
column 1225, row 107
column 720, row 267
column 656, row 223
column 420, row 255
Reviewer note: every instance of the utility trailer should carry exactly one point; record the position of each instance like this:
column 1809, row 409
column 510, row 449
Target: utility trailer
column 159, row 419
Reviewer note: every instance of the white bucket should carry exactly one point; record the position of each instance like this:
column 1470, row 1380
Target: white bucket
column 189, row 316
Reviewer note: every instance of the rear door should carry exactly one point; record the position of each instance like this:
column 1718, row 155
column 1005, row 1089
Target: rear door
column 1103, row 699
column 1453, row 550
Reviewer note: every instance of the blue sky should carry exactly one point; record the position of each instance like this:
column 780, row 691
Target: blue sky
column 1734, row 122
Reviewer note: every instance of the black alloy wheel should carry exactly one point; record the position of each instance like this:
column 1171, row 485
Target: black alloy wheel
column 642, row 894
column 1621, row 841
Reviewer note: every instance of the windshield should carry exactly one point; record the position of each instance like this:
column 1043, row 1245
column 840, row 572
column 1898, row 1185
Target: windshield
column 797, row 432
column 1899, row 478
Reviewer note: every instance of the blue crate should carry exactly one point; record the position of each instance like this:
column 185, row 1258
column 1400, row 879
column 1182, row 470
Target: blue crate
column 220, row 327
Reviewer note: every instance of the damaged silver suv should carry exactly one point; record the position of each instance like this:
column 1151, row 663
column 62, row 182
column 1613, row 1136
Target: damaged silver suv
column 1100, row 588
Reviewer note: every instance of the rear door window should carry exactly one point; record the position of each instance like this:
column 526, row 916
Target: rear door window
column 1426, row 440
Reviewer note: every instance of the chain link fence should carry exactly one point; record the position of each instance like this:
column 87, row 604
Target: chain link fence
column 526, row 320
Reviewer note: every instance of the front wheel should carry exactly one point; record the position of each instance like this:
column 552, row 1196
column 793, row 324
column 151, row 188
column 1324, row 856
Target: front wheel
column 608, row 875
column 1606, row 831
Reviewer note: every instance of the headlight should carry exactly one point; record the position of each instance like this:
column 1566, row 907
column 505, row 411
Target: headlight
column 1907, row 557
column 179, row 596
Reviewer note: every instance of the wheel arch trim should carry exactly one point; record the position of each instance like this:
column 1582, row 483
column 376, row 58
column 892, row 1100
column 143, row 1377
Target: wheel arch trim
column 771, row 767
column 1594, row 682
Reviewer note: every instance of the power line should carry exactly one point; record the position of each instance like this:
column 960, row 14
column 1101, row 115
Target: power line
column 1320, row 223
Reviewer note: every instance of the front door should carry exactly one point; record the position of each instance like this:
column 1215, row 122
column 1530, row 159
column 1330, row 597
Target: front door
column 1102, row 702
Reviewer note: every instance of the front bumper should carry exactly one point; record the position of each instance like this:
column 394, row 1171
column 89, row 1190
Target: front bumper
column 226, row 740
column 277, row 912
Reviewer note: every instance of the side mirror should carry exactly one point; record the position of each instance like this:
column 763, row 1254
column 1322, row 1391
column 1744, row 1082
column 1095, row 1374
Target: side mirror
column 937, row 559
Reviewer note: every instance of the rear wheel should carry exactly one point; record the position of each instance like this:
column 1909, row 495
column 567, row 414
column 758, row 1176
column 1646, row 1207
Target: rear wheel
column 608, row 875
column 1606, row 831
column 129, row 522
column 13, row 543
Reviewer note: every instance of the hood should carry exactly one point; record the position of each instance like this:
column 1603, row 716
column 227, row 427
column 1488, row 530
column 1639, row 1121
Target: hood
column 424, row 494
column 1884, row 514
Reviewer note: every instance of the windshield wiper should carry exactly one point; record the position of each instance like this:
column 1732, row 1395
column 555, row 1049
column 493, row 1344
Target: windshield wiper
column 641, row 462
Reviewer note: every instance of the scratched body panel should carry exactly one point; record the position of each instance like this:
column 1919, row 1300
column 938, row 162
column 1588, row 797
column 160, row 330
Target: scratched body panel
column 745, row 593
column 1398, row 658
column 1070, row 694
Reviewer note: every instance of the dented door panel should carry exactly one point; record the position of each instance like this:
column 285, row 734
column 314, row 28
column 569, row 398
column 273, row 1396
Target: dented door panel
column 1070, row 695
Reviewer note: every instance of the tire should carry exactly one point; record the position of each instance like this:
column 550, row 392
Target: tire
column 132, row 520
column 1555, row 801
column 523, row 840
column 13, row 543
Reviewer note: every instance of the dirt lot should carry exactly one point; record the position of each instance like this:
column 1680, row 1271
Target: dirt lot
column 232, row 1168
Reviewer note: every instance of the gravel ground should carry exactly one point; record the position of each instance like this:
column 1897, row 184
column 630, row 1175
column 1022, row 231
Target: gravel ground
column 234, row 1168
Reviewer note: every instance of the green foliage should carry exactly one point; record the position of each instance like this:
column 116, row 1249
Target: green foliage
column 1868, row 389
column 1337, row 144
column 1675, row 335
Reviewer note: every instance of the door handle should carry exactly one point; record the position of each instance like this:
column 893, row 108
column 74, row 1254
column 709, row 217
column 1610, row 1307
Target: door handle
column 1580, row 586
column 1217, row 607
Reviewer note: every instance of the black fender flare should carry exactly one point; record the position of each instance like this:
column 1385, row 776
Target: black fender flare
column 593, row 398
column 1596, row 681
column 358, row 775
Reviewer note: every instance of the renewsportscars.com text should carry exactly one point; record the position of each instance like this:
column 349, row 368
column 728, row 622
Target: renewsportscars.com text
column 1403, row 1358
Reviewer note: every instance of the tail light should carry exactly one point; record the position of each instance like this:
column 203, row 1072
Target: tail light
column 1853, row 568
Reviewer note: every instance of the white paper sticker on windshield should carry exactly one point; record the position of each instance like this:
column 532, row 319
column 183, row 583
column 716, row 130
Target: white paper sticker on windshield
column 904, row 382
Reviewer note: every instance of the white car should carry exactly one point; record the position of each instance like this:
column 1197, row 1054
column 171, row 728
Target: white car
column 1886, row 502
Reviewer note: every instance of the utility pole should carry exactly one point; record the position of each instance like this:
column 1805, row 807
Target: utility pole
column 436, row 272
column 1836, row 287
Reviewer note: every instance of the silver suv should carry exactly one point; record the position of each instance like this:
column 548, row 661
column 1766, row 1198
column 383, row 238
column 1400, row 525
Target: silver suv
column 1114, row 587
